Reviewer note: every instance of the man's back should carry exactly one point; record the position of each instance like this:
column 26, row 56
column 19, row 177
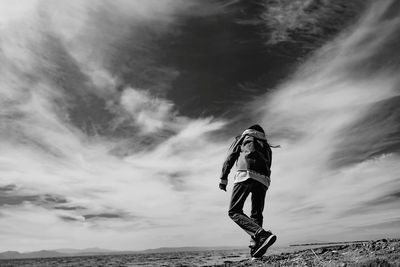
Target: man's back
column 255, row 155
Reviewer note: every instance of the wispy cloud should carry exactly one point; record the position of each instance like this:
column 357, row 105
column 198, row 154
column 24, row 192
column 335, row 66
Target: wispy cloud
column 150, row 113
column 285, row 19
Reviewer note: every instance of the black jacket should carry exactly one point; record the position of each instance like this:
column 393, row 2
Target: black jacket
column 252, row 152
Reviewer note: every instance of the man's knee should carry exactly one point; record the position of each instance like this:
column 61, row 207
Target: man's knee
column 257, row 216
column 232, row 213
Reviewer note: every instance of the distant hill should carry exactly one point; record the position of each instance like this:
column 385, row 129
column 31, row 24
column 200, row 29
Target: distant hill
column 10, row 255
column 34, row 254
column 86, row 250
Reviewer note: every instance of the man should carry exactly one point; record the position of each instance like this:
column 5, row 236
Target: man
column 253, row 157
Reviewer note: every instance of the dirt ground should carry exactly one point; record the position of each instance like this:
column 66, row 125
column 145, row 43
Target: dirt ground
column 382, row 253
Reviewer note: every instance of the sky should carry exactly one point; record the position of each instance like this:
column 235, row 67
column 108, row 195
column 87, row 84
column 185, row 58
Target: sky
column 116, row 117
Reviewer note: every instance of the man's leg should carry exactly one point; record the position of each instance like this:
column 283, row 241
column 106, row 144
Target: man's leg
column 258, row 192
column 264, row 239
column 239, row 194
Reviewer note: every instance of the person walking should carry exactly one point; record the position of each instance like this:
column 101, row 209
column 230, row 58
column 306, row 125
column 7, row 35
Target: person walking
column 253, row 157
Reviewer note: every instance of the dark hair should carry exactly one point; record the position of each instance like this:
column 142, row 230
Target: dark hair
column 257, row 128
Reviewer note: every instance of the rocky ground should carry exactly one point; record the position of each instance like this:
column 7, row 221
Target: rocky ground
column 382, row 253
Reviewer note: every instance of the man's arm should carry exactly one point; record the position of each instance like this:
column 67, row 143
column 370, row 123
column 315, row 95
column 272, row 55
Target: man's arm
column 269, row 161
column 233, row 154
column 270, row 158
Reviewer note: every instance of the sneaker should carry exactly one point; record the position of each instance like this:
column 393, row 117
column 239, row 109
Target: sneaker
column 252, row 250
column 252, row 246
column 266, row 239
column 253, row 243
column 256, row 259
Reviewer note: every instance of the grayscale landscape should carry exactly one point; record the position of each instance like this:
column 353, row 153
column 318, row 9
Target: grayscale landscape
column 116, row 117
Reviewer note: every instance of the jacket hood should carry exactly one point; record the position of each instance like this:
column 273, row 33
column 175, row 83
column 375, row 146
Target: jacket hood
column 254, row 133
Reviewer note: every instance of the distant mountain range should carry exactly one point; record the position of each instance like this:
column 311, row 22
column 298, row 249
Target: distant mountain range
column 86, row 250
column 70, row 252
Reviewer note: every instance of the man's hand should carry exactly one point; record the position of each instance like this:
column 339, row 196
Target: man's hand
column 222, row 185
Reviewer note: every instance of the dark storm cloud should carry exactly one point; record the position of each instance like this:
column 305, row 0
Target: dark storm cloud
column 104, row 216
column 16, row 200
column 68, row 208
column 13, row 198
column 7, row 188
column 54, row 199
column 68, row 218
